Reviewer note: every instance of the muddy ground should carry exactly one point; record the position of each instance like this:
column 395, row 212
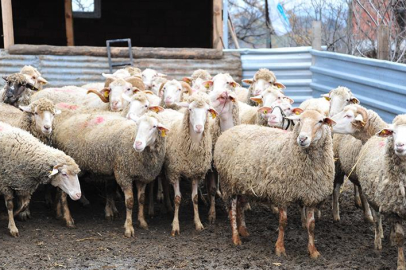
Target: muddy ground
column 44, row 242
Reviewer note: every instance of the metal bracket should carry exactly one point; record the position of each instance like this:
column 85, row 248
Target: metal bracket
column 130, row 53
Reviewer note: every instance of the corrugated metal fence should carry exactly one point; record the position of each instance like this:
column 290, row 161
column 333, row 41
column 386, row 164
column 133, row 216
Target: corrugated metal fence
column 290, row 65
column 79, row 70
column 379, row 85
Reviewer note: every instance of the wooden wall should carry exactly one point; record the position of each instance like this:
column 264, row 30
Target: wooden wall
column 158, row 23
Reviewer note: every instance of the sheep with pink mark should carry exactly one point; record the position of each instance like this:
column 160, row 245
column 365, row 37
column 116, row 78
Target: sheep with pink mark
column 118, row 147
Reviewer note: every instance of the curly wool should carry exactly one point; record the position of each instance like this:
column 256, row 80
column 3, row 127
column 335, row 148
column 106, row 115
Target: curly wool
column 319, row 104
column 102, row 143
column 341, row 91
column 21, row 172
column 183, row 156
column 140, row 96
column 266, row 75
column 304, row 175
column 202, row 74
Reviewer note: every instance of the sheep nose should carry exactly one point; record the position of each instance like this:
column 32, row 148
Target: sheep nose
column 272, row 117
column 303, row 138
column 400, row 145
column 199, row 127
column 47, row 127
column 138, row 143
column 78, row 195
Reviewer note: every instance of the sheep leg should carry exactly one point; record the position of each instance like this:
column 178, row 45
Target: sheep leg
column 58, row 206
column 377, row 221
column 70, row 223
column 303, row 216
column 48, row 195
column 336, row 203
column 357, row 198
column 110, row 209
column 141, row 201
column 195, row 199
column 160, row 196
column 242, row 227
column 311, row 224
column 11, row 224
column 283, row 222
column 151, row 199
column 23, row 213
column 233, row 220
column 212, row 191
column 274, row 209
column 129, row 204
column 177, row 199
column 397, row 238
column 365, row 206
column 167, row 198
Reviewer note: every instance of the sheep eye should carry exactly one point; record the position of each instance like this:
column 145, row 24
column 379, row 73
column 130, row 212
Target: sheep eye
column 179, row 89
column 33, row 77
column 321, row 121
column 64, row 174
column 36, row 113
column 154, row 126
column 146, row 106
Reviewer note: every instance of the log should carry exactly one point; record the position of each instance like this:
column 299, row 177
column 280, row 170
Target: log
column 7, row 14
column 138, row 52
column 70, row 40
column 217, row 25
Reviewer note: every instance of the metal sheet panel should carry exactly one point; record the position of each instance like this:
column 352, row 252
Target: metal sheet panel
column 290, row 65
column 79, row 70
column 379, row 85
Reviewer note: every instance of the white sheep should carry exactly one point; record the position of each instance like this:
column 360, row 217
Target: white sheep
column 23, row 173
column 173, row 92
column 147, row 75
column 304, row 175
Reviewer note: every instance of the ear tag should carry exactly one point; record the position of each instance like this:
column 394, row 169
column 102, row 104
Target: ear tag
column 213, row 114
column 327, row 98
column 163, row 133
column 52, row 173
column 106, row 94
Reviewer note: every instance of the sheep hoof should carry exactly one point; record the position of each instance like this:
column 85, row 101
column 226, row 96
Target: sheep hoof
column 199, row 226
column 369, row 219
column 70, row 224
column 212, row 217
column 243, row 231
column 279, row 251
column 151, row 213
column 336, row 218
column 315, row 254
column 401, row 267
column 237, row 241
column 129, row 231
column 14, row 232
column 174, row 232
column 143, row 224
column 24, row 216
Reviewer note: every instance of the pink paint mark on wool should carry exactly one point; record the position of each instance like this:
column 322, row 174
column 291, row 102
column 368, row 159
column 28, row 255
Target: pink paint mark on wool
column 381, row 144
column 93, row 122
column 99, row 120
column 67, row 106
column 1, row 128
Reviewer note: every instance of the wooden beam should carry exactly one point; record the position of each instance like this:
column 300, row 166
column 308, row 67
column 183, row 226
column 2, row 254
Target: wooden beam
column 383, row 42
column 69, row 23
column 7, row 15
column 217, row 25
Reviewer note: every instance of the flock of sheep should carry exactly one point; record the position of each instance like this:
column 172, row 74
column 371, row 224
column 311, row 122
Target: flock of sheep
column 245, row 144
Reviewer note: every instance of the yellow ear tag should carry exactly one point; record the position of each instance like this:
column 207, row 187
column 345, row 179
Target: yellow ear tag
column 327, row 98
column 297, row 113
column 163, row 132
column 106, row 94
column 207, row 86
column 213, row 115
column 384, row 131
column 265, row 112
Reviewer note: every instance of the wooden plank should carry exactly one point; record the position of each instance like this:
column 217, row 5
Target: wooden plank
column 217, row 25
column 138, row 52
column 7, row 15
column 69, row 23
column 383, row 42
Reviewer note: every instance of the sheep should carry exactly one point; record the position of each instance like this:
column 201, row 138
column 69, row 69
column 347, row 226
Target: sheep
column 339, row 98
column 139, row 104
column 362, row 124
column 107, row 144
column 17, row 89
column 304, row 174
column 147, row 75
column 22, row 173
column 381, row 171
column 197, row 80
column 242, row 94
column 35, row 75
column 263, row 79
column 320, row 104
column 189, row 152
column 156, row 84
column 172, row 92
column 277, row 114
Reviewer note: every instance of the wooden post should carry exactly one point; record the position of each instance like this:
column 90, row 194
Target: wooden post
column 217, row 25
column 233, row 35
column 7, row 15
column 383, row 42
column 316, row 42
column 69, row 23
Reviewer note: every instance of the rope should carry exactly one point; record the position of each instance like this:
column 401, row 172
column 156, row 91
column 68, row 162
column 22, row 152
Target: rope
column 353, row 168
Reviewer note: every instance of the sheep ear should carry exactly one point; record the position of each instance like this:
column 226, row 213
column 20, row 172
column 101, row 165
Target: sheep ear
column 279, row 85
column 5, row 78
column 207, row 84
column 213, row 113
column 161, row 75
column 233, row 84
column 354, row 100
column 297, row 111
column 359, row 119
column 257, row 99
column 386, row 132
column 162, row 130
column 54, row 171
column 149, row 92
column 291, row 101
column 248, row 81
column 57, row 112
column 135, row 90
column 109, row 76
column 326, row 96
column 125, row 97
column 187, row 80
column 25, row 109
column 329, row 121
column 42, row 80
column 265, row 110
column 156, row 109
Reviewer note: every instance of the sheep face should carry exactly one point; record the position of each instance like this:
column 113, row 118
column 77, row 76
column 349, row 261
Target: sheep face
column 147, row 132
column 65, row 176
column 339, row 98
column 14, row 89
column 279, row 110
column 349, row 120
column 156, row 84
column 139, row 105
column 397, row 131
column 116, row 92
column 35, row 76
column 270, row 95
column 148, row 75
column 171, row 92
column 310, row 127
column 198, row 86
column 43, row 118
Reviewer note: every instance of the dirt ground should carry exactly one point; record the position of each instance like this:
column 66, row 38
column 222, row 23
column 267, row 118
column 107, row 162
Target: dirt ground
column 95, row 243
